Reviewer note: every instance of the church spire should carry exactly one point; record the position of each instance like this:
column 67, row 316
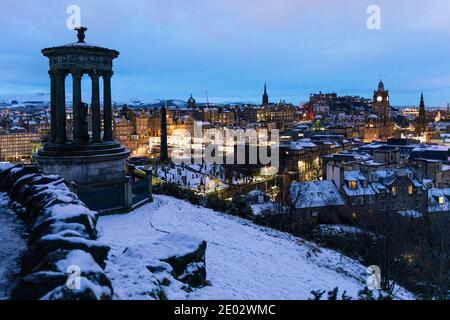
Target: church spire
column 422, row 120
column 265, row 100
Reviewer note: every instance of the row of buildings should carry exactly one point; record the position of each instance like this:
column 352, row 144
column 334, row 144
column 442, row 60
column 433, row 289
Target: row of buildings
column 406, row 177
column 21, row 133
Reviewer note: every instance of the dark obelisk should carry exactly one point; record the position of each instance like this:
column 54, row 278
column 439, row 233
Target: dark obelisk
column 164, row 153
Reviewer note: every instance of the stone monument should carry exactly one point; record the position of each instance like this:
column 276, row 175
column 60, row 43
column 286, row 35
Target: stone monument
column 94, row 163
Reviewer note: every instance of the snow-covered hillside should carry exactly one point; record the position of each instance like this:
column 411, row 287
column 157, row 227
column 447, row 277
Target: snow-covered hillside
column 244, row 261
column 12, row 246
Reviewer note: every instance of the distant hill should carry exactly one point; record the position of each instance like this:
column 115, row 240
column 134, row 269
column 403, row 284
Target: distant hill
column 8, row 100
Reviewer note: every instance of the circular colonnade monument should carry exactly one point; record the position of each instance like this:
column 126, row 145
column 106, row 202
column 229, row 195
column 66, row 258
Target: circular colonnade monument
column 93, row 161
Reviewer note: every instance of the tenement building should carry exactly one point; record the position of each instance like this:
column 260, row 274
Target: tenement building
column 395, row 190
column 17, row 146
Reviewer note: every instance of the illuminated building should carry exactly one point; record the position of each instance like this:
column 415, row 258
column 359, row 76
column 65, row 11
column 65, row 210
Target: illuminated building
column 16, row 147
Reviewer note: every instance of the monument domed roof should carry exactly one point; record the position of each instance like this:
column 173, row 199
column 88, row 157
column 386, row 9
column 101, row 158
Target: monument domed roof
column 80, row 47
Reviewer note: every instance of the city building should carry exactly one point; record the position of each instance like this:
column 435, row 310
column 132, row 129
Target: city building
column 18, row 146
column 379, row 125
column 395, row 190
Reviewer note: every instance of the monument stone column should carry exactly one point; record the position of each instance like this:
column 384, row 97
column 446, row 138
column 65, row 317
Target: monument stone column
column 52, row 135
column 60, row 79
column 107, row 107
column 77, row 114
column 95, row 105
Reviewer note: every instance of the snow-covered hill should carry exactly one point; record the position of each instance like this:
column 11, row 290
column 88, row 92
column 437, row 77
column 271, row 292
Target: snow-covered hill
column 25, row 97
column 244, row 261
column 12, row 246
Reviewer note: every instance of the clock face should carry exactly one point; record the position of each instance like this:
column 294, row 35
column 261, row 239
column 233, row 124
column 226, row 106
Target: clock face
column 387, row 98
column 379, row 98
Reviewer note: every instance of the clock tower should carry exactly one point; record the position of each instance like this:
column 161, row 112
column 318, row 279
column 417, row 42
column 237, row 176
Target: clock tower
column 381, row 102
column 379, row 125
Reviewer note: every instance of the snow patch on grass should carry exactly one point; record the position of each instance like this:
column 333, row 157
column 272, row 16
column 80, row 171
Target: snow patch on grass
column 244, row 261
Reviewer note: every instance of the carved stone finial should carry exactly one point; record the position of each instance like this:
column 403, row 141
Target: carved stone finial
column 81, row 34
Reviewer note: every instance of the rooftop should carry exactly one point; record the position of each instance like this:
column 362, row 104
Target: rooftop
column 315, row 194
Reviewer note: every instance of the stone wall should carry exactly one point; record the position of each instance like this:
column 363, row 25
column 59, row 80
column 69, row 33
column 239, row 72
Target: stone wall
column 64, row 260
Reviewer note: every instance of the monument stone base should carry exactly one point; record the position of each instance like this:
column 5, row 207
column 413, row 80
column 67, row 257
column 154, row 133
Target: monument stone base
column 95, row 171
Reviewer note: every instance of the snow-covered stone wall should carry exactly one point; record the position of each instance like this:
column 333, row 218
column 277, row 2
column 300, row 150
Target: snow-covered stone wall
column 64, row 260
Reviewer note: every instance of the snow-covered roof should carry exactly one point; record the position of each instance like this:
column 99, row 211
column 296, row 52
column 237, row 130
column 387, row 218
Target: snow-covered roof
column 387, row 177
column 315, row 194
column 361, row 188
column 299, row 144
column 423, row 147
column 439, row 200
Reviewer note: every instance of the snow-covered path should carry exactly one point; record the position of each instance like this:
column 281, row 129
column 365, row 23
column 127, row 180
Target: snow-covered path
column 12, row 245
column 244, row 261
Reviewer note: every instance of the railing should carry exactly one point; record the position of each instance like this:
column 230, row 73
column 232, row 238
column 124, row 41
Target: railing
column 136, row 191
column 106, row 198
column 138, row 187
column 139, row 190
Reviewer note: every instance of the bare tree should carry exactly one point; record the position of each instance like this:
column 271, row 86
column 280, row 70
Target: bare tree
column 434, row 255
column 385, row 235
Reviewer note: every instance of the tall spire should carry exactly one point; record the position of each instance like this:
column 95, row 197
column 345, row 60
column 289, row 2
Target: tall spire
column 422, row 120
column 422, row 104
column 265, row 100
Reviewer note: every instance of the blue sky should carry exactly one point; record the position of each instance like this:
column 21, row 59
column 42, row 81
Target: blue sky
column 172, row 48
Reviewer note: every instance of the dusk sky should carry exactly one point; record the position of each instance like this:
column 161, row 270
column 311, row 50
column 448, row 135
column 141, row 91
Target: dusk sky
column 172, row 48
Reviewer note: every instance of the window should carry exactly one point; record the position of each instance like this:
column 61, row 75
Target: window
column 441, row 200
column 410, row 189
column 394, row 191
column 353, row 185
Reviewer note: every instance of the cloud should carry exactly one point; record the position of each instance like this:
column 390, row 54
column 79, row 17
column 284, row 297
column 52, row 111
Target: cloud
column 172, row 47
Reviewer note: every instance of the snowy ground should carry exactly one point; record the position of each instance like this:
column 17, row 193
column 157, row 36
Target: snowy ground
column 244, row 261
column 12, row 245
column 198, row 177
column 192, row 179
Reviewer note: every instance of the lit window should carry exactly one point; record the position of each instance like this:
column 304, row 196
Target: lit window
column 410, row 189
column 394, row 190
column 441, row 200
column 353, row 185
